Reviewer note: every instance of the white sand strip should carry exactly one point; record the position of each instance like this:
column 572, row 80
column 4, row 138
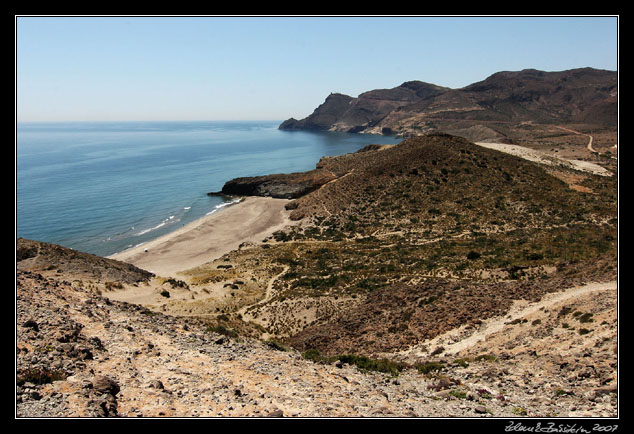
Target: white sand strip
column 210, row 237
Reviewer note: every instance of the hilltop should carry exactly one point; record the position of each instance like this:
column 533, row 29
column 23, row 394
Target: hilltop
column 411, row 219
column 497, row 106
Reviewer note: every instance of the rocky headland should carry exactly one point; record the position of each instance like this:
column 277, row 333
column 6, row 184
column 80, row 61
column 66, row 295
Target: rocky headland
column 494, row 109
column 281, row 186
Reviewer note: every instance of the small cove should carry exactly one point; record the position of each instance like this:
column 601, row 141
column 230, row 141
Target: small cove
column 103, row 187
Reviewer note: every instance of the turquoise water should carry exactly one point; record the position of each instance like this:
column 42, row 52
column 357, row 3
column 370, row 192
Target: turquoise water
column 103, row 187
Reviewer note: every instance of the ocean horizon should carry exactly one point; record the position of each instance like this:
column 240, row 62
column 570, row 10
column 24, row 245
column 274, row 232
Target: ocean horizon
column 104, row 187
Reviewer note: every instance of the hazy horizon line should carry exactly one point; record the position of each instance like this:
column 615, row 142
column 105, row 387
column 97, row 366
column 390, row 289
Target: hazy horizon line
column 146, row 120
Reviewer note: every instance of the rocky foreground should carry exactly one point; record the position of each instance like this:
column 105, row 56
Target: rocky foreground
column 81, row 355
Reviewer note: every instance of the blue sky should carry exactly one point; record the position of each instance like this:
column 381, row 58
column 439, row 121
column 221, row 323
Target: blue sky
column 273, row 68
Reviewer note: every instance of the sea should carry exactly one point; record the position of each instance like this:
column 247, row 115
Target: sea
column 104, row 187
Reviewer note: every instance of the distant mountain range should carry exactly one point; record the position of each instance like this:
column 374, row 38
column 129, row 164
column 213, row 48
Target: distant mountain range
column 585, row 95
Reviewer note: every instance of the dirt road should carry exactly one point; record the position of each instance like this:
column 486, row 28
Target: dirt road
column 590, row 138
column 463, row 338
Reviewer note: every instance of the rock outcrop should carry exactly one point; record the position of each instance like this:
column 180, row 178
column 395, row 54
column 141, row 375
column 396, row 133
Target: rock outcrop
column 324, row 116
column 281, row 186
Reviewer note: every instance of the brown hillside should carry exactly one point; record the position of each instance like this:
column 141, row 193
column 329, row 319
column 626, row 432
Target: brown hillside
column 583, row 95
column 39, row 256
column 401, row 221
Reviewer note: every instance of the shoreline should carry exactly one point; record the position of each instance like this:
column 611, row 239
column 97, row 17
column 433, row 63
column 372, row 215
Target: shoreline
column 208, row 238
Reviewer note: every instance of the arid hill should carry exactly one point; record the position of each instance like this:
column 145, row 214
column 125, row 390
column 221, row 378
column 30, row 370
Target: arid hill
column 344, row 113
column 585, row 96
column 37, row 256
column 402, row 222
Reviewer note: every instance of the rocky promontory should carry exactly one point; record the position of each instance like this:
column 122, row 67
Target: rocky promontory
column 583, row 95
column 280, row 186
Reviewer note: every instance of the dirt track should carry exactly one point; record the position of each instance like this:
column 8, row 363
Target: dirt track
column 542, row 158
column 459, row 340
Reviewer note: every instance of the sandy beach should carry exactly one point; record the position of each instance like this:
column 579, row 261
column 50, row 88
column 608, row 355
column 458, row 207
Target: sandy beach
column 210, row 237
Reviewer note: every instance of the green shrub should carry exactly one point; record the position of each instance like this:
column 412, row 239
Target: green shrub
column 486, row 357
column 314, row 355
column 463, row 362
column 460, row 394
column 39, row 376
column 276, row 345
column 222, row 330
column 363, row 363
column 366, row 364
column 426, row 368
column 519, row 411
column 473, row 255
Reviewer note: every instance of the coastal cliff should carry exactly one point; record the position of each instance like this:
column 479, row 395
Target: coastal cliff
column 584, row 95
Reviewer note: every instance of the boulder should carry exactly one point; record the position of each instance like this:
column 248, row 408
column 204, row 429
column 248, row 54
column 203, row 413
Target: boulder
column 104, row 384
